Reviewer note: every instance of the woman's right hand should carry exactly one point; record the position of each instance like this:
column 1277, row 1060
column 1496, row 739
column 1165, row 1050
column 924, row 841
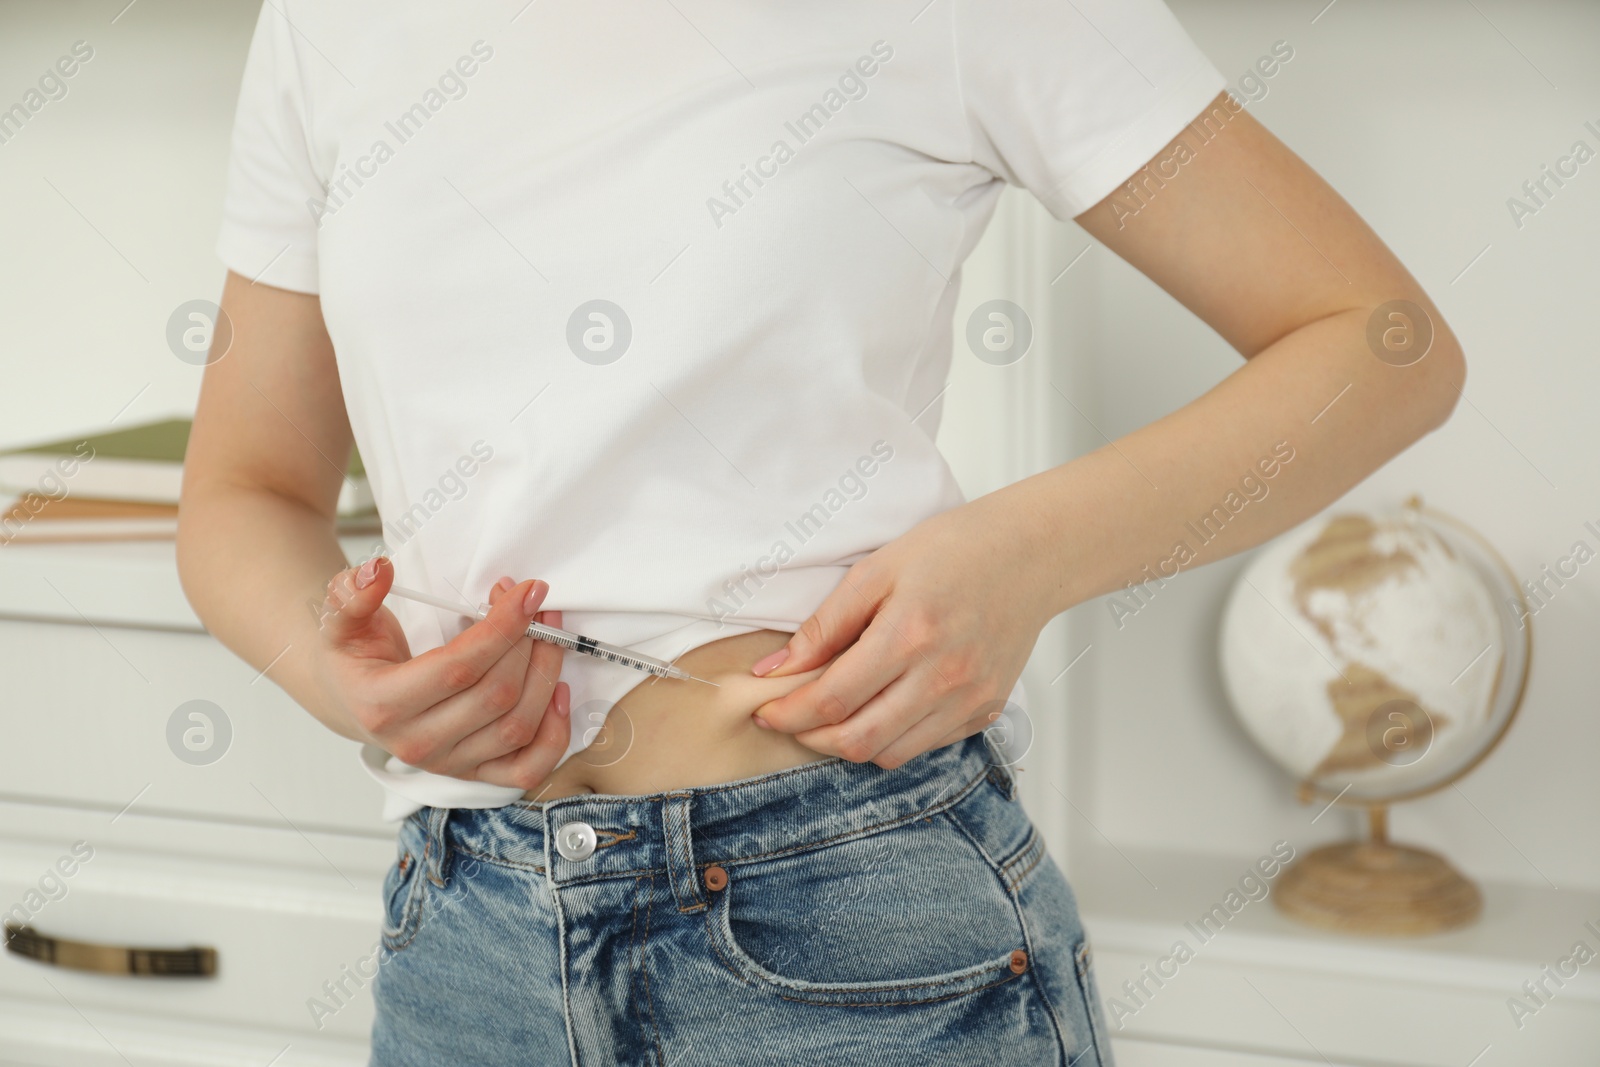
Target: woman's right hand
column 485, row 707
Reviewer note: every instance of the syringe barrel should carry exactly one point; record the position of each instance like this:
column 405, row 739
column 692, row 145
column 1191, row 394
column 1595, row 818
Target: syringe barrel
column 588, row 646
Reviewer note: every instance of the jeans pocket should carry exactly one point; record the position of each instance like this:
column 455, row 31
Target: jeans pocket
column 405, row 885
column 909, row 915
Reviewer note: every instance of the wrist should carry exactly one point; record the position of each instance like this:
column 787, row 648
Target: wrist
column 1036, row 539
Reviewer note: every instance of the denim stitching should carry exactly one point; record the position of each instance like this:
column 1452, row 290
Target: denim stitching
column 519, row 865
column 391, row 939
column 847, row 989
column 1036, row 845
column 502, row 861
column 1044, row 994
column 670, row 842
column 633, row 957
column 675, row 857
column 1085, row 984
column 680, row 855
column 737, row 973
column 999, row 872
column 443, row 840
column 649, row 908
column 901, row 1003
column 1038, row 857
column 861, row 987
column 616, row 838
column 862, row 830
column 711, row 939
column 1021, row 915
column 408, row 930
column 680, row 845
column 1032, row 851
column 731, row 860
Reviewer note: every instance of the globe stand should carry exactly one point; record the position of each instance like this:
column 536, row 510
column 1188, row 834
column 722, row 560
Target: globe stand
column 1377, row 887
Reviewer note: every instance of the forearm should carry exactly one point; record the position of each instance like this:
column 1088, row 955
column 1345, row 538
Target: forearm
column 1316, row 409
column 254, row 566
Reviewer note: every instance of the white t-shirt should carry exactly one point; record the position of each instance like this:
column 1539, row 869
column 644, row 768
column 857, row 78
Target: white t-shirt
column 773, row 203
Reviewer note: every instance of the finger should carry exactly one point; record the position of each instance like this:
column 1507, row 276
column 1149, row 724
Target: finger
column 841, row 618
column 882, row 721
column 533, row 764
column 500, row 589
column 476, row 712
column 968, row 728
column 497, row 716
column 352, row 597
column 459, row 664
column 479, row 732
column 941, row 727
column 863, row 671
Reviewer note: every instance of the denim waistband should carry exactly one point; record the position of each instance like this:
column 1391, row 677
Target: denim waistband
column 680, row 832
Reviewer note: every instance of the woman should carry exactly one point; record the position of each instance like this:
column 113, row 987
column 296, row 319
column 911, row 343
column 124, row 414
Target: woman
column 640, row 316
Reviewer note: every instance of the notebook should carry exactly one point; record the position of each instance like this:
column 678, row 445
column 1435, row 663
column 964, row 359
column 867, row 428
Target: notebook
column 140, row 464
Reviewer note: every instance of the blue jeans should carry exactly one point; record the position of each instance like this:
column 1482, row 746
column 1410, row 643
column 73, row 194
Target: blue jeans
column 831, row 914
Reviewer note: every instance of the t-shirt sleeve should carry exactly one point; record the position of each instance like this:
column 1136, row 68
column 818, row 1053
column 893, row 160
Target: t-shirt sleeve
column 269, row 232
column 1068, row 98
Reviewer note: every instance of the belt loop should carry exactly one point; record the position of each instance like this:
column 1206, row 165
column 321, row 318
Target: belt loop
column 436, row 852
column 675, row 826
column 1000, row 773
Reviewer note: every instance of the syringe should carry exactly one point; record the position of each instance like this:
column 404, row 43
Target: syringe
column 588, row 646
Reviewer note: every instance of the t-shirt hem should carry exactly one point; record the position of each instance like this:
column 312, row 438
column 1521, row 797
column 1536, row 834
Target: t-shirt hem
column 410, row 790
column 1141, row 140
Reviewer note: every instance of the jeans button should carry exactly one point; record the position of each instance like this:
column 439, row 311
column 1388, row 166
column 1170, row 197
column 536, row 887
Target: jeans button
column 575, row 841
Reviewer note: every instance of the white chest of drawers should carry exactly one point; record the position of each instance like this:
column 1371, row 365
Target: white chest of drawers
column 256, row 835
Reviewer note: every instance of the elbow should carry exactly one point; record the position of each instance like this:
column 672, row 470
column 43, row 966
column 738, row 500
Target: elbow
column 189, row 565
column 194, row 545
column 191, row 501
column 1422, row 390
column 1444, row 379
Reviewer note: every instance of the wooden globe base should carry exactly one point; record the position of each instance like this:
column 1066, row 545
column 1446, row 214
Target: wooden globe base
column 1376, row 887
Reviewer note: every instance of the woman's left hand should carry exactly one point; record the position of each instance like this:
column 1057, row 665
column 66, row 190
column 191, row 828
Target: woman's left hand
column 935, row 628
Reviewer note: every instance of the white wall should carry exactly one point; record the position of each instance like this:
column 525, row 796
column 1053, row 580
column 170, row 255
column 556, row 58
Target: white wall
column 1426, row 120
column 91, row 269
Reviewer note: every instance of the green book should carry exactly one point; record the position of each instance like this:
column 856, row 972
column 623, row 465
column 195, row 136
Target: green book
column 142, row 463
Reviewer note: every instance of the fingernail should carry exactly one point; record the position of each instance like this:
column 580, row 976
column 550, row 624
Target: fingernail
column 536, row 594
column 759, row 721
column 553, row 618
column 770, row 663
column 505, row 585
column 367, row 574
column 563, row 700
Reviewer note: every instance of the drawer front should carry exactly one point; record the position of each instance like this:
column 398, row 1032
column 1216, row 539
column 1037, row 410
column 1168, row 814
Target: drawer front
column 1145, row 1054
column 108, row 716
column 293, row 919
column 43, row 1035
column 1321, row 1016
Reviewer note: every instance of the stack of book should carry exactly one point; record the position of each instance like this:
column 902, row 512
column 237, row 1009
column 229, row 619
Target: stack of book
column 122, row 486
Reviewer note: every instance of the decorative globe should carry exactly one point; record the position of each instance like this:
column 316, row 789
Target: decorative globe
column 1377, row 656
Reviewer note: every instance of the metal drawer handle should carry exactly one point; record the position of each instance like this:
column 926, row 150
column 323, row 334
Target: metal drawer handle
column 110, row 959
